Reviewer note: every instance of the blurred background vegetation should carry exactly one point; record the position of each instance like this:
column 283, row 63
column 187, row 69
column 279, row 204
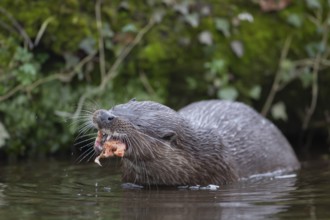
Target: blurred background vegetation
column 59, row 58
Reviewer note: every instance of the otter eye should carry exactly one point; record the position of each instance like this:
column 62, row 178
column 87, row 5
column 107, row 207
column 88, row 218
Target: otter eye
column 169, row 136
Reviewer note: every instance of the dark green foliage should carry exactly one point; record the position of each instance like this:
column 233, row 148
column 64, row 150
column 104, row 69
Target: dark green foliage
column 50, row 57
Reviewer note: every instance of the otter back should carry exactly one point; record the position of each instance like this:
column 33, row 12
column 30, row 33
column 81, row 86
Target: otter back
column 255, row 144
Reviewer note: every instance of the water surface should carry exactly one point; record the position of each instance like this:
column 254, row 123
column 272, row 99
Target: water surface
column 64, row 190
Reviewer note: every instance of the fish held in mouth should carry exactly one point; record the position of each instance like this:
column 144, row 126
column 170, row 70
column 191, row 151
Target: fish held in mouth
column 110, row 148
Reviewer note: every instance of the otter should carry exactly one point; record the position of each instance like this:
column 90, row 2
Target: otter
column 206, row 142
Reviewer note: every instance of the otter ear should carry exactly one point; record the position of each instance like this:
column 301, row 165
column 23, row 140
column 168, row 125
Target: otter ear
column 168, row 135
column 132, row 100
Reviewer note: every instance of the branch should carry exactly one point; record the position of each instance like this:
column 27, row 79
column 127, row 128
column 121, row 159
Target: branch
column 19, row 28
column 309, row 62
column 7, row 27
column 276, row 82
column 315, row 86
column 146, row 83
column 113, row 69
column 64, row 77
column 42, row 30
column 11, row 92
column 101, row 40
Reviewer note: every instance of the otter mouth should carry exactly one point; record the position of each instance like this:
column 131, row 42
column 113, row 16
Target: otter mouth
column 109, row 145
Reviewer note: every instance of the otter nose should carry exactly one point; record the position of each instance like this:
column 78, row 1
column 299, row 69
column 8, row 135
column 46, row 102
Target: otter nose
column 106, row 116
column 102, row 118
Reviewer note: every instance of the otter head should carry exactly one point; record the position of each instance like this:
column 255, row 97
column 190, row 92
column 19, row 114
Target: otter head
column 141, row 126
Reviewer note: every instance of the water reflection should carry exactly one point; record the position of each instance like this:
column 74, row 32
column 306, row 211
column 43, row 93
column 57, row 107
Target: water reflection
column 66, row 191
column 2, row 197
column 253, row 199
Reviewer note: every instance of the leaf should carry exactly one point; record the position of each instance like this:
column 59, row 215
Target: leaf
column 3, row 135
column 313, row 48
column 228, row 93
column 222, row 25
column 158, row 15
column 106, row 31
column 313, row 4
column 192, row 83
column 108, row 44
column 28, row 69
column 279, row 111
column 245, row 16
column 54, row 147
column 129, row 28
column 182, row 8
column 205, row 10
column 184, row 41
column 216, row 66
column 237, row 48
column 70, row 60
column 294, row 20
column 88, row 45
column 42, row 57
column 286, row 65
column 287, row 73
column 151, row 2
column 306, row 78
column 192, row 19
column 124, row 5
column 169, row 2
column 22, row 55
column 154, row 52
column 26, row 73
column 255, row 92
column 205, row 37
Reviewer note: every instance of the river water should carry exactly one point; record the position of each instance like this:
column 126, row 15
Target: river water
column 65, row 190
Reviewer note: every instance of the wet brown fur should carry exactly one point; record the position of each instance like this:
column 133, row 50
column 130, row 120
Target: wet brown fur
column 165, row 147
